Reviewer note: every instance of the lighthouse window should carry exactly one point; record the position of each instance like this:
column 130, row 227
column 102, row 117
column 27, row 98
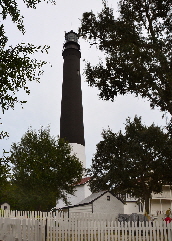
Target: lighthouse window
column 77, row 72
column 71, row 37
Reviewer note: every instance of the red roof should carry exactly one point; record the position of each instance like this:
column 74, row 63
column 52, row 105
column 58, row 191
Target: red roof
column 83, row 180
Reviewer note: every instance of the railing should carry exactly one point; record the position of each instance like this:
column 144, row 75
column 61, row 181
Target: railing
column 165, row 195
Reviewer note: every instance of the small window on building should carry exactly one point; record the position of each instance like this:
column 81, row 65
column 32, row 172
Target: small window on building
column 108, row 198
column 5, row 207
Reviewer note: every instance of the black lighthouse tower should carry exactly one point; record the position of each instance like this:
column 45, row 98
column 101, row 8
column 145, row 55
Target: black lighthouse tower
column 71, row 121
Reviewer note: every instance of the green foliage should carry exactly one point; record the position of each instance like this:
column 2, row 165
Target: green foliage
column 16, row 64
column 137, row 47
column 4, row 174
column 137, row 162
column 43, row 171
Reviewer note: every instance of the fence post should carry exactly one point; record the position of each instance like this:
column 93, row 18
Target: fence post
column 46, row 229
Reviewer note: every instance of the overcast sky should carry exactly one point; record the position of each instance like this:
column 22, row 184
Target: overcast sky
column 46, row 26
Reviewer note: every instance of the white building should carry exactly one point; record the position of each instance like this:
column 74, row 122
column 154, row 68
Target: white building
column 132, row 205
column 100, row 202
column 82, row 191
column 159, row 203
column 5, row 206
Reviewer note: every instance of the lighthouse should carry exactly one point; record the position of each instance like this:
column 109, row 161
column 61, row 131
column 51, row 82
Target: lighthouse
column 71, row 121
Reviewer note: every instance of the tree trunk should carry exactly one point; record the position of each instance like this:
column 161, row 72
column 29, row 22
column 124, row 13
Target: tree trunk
column 147, row 199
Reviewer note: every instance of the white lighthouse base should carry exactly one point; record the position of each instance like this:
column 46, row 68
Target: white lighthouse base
column 82, row 189
column 79, row 151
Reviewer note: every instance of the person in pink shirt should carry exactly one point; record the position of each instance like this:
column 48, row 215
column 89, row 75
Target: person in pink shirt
column 168, row 219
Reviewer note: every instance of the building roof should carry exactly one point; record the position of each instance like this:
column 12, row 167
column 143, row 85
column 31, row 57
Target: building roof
column 83, row 181
column 90, row 199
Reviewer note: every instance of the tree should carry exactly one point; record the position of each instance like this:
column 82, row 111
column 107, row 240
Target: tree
column 17, row 67
column 43, row 170
column 137, row 47
column 137, row 162
column 4, row 172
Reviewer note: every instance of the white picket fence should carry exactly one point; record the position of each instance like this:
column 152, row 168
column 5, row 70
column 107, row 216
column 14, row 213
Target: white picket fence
column 80, row 227
column 12, row 229
column 26, row 214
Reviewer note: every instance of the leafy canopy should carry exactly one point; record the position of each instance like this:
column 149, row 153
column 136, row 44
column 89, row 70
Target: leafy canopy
column 43, row 170
column 137, row 47
column 137, row 162
column 16, row 64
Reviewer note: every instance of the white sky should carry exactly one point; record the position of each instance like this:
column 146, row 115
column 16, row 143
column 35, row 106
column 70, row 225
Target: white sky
column 47, row 25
